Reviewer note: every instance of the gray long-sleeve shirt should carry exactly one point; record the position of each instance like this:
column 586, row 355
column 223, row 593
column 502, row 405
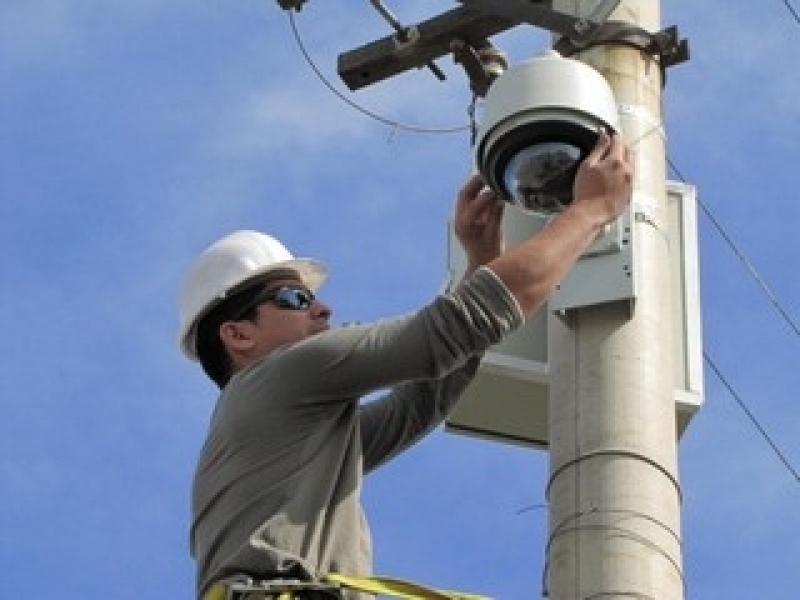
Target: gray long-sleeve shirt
column 277, row 487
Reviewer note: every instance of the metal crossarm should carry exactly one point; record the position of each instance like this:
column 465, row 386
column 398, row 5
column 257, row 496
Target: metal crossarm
column 381, row 60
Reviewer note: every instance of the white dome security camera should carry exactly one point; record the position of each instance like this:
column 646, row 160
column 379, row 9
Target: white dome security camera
column 542, row 118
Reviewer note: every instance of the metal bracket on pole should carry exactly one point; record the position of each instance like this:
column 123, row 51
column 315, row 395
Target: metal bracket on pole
column 580, row 33
column 665, row 44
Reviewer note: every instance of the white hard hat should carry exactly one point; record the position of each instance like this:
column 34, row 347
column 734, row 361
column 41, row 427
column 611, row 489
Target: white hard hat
column 225, row 266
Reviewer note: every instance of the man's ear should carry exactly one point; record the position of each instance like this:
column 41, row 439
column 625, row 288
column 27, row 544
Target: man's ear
column 235, row 337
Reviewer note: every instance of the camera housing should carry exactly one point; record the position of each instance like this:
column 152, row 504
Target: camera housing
column 541, row 119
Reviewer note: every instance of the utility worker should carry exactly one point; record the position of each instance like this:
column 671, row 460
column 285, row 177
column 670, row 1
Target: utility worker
column 276, row 494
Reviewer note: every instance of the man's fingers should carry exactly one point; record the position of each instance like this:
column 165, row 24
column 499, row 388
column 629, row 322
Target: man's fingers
column 472, row 187
column 496, row 210
column 618, row 149
column 601, row 147
column 627, row 154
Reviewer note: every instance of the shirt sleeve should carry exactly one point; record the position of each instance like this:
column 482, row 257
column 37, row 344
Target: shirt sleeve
column 352, row 361
column 408, row 412
column 400, row 418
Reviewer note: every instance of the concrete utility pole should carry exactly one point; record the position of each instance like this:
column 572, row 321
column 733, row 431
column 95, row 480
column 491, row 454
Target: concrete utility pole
column 613, row 490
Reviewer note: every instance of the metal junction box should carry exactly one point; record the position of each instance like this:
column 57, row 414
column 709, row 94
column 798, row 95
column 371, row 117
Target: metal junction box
column 508, row 399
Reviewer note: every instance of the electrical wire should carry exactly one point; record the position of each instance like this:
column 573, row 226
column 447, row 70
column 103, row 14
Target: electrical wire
column 792, row 10
column 743, row 259
column 752, row 417
column 390, row 122
column 710, row 362
column 749, row 266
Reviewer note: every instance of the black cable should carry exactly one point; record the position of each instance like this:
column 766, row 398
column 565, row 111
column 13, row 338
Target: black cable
column 359, row 108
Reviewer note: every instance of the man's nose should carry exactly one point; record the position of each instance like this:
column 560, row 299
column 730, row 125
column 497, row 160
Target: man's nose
column 320, row 310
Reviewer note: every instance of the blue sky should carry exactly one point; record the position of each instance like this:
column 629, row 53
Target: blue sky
column 132, row 134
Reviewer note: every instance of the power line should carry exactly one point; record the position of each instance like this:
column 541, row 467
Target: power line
column 743, row 259
column 752, row 417
column 766, row 289
column 731, row 390
column 792, row 10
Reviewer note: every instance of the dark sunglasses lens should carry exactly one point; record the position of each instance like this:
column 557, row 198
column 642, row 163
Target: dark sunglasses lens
column 294, row 299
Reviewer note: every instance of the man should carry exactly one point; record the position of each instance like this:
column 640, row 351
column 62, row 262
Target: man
column 277, row 486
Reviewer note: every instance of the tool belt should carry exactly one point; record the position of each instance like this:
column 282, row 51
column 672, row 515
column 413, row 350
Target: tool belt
column 246, row 588
column 330, row 587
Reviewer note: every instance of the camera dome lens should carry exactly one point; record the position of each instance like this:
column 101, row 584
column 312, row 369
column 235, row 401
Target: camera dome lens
column 539, row 177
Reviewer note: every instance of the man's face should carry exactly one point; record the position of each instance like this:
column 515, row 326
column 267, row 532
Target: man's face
column 283, row 317
column 280, row 323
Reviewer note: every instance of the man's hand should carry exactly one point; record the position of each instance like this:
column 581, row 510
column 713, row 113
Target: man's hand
column 477, row 223
column 602, row 191
column 603, row 183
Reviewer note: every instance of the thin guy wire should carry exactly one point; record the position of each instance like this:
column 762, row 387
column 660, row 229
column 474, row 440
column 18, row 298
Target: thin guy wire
column 394, row 124
column 752, row 417
column 743, row 259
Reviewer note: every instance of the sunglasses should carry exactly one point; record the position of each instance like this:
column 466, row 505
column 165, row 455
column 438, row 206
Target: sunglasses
column 284, row 297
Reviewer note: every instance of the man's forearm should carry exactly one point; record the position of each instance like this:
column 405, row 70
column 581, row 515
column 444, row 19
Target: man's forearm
column 533, row 269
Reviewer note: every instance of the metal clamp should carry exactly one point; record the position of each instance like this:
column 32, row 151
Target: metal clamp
column 665, row 44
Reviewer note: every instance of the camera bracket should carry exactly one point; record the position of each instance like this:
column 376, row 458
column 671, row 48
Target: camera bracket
column 665, row 44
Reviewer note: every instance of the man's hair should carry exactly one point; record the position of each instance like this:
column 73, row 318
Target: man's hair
column 211, row 352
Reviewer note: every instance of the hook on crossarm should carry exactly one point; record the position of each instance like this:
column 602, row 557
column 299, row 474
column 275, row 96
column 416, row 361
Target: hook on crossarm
column 483, row 63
